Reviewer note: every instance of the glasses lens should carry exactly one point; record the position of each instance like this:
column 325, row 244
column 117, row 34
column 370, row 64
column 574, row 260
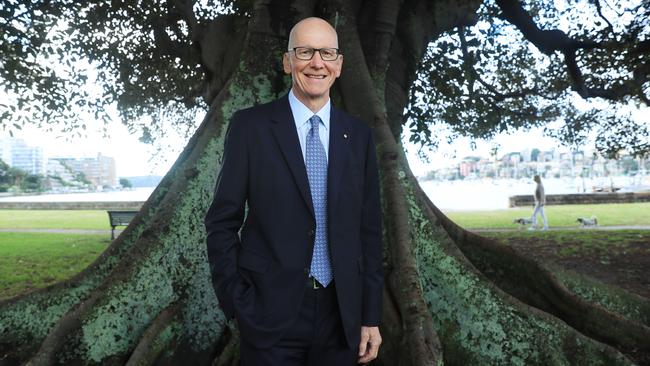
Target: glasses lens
column 328, row 54
column 304, row 53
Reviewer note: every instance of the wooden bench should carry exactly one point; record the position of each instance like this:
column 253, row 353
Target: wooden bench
column 120, row 218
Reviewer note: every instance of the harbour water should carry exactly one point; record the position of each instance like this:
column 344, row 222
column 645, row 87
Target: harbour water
column 135, row 194
column 475, row 194
column 492, row 194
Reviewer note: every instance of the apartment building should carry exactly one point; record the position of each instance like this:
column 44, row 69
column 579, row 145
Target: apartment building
column 17, row 154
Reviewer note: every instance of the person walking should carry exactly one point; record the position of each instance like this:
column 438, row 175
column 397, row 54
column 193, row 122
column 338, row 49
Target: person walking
column 540, row 201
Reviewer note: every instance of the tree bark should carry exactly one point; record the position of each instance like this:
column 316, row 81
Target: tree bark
column 451, row 296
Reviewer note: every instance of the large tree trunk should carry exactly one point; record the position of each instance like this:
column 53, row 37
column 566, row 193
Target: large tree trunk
column 450, row 296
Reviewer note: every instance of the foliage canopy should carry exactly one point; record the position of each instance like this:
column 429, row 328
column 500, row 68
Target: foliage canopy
column 519, row 66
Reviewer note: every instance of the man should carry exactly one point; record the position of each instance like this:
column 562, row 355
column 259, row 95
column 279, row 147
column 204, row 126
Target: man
column 540, row 201
column 304, row 279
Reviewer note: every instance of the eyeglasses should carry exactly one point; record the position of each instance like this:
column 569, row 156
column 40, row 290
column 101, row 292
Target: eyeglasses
column 306, row 53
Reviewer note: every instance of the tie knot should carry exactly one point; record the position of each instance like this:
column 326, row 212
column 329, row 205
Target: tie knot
column 315, row 121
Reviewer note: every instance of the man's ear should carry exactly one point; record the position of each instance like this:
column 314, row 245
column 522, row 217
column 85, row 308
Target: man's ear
column 340, row 67
column 286, row 63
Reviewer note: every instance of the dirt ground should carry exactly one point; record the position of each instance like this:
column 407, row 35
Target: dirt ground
column 626, row 265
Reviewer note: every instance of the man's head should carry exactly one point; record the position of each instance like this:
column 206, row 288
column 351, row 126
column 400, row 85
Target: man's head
column 312, row 78
column 537, row 179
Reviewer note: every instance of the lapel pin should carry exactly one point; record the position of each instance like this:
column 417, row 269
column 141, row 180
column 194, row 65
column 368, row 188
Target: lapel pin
column 345, row 135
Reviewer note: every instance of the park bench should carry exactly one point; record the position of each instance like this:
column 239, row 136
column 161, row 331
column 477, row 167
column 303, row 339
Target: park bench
column 120, row 218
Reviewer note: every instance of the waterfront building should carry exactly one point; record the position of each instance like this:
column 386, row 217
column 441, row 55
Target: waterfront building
column 17, row 154
column 99, row 171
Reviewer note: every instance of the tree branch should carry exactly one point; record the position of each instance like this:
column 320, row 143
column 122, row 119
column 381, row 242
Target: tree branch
column 185, row 9
column 547, row 41
column 496, row 95
column 377, row 23
column 600, row 13
column 166, row 46
column 550, row 41
column 419, row 22
column 220, row 47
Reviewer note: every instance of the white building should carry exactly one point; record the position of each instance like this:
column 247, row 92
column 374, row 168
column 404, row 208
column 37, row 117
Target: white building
column 99, row 171
column 17, row 154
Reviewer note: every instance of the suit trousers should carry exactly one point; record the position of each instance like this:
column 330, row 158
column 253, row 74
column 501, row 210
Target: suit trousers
column 315, row 339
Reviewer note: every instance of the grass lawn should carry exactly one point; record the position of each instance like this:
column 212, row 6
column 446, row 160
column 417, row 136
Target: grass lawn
column 54, row 219
column 34, row 260
column 558, row 216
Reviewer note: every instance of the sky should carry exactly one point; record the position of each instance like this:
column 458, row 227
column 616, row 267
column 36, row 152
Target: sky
column 134, row 158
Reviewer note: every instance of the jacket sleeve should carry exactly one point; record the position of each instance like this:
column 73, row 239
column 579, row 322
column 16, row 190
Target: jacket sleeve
column 371, row 235
column 226, row 214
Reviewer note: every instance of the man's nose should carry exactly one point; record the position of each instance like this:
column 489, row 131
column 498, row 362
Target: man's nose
column 316, row 61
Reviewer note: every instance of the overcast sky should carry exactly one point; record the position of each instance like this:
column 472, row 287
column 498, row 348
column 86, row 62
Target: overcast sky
column 134, row 158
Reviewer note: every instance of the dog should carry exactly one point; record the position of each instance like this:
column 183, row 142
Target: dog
column 523, row 221
column 587, row 221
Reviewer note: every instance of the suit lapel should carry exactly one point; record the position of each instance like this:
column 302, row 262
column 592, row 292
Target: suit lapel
column 284, row 131
column 339, row 150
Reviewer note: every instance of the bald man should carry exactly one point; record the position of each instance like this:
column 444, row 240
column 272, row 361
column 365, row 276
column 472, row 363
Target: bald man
column 301, row 272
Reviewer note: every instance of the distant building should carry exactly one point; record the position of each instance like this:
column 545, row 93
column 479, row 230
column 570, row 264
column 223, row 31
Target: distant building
column 99, row 171
column 17, row 154
column 468, row 167
column 60, row 176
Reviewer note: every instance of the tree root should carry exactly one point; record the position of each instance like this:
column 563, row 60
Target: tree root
column 156, row 338
column 421, row 340
column 229, row 354
column 529, row 281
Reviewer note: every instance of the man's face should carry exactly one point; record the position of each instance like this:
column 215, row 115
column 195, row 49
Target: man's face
column 312, row 79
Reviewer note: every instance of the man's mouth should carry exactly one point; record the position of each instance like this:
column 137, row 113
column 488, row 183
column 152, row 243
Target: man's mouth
column 315, row 76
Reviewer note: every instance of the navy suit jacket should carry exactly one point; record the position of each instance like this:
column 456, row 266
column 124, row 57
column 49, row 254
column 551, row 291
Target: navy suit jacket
column 260, row 273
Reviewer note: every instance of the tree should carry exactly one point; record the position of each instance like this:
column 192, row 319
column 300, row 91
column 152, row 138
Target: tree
column 16, row 177
column 32, row 183
column 450, row 295
column 125, row 183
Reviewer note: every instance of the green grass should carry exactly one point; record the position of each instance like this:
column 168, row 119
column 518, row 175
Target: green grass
column 613, row 214
column 34, row 260
column 54, row 219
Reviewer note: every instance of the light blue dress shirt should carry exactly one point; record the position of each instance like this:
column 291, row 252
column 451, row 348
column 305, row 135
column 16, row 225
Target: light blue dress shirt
column 301, row 116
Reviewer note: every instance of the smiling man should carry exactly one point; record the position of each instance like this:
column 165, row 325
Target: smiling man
column 302, row 271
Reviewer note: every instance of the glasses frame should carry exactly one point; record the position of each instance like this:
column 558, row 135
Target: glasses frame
column 338, row 53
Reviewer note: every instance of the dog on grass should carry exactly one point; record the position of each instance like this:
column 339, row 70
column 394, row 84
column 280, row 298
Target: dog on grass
column 523, row 221
column 587, row 221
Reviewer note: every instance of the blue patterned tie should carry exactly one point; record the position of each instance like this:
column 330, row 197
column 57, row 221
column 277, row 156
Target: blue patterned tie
column 316, row 162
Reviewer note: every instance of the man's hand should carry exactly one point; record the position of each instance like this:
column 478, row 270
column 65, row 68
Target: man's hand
column 369, row 346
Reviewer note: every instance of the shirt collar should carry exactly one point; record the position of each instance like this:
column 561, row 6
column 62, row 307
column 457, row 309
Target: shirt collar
column 302, row 114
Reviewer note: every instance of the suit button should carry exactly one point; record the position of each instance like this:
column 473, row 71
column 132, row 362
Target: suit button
column 311, row 233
